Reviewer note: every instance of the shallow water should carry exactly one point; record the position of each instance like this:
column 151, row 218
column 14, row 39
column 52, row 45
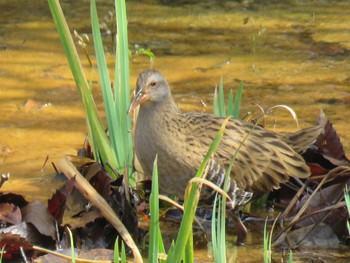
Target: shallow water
column 295, row 54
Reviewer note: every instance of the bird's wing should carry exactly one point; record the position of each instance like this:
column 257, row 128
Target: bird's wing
column 262, row 160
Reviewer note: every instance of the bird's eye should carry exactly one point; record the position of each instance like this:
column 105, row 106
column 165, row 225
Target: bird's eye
column 153, row 84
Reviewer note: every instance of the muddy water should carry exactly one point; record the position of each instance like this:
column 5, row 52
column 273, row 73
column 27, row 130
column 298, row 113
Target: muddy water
column 295, row 54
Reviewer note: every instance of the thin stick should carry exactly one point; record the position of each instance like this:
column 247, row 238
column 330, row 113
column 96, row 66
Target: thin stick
column 47, row 251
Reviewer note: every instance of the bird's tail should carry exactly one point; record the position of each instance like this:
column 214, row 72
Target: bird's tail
column 301, row 140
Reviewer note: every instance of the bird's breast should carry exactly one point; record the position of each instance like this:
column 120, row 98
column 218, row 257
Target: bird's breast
column 164, row 139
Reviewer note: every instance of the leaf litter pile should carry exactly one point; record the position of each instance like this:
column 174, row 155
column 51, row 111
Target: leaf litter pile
column 313, row 212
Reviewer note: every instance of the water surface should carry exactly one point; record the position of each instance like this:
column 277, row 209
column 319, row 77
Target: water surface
column 296, row 53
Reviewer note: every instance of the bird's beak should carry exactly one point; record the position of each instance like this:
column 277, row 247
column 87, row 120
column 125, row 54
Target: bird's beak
column 140, row 97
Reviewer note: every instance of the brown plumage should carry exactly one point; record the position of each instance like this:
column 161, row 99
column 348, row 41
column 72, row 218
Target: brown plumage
column 181, row 140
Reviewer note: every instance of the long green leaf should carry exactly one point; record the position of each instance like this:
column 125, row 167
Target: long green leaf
column 222, row 109
column 123, row 254
column 267, row 256
column 103, row 151
column 189, row 249
column 237, row 102
column 122, row 89
column 156, row 245
column 219, row 229
column 347, row 202
column 108, row 98
column 219, row 102
column 233, row 103
column 214, row 228
column 116, row 251
column 216, row 109
column 191, row 203
column 154, row 224
column 230, row 110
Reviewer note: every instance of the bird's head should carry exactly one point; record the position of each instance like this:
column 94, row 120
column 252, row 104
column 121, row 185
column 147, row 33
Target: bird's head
column 151, row 87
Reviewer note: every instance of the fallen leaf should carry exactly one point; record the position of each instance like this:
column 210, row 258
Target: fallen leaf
column 10, row 214
column 37, row 214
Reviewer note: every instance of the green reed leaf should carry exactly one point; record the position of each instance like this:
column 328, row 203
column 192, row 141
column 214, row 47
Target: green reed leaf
column 191, row 203
column 98, row 138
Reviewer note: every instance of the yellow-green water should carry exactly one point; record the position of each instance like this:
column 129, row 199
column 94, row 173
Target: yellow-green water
column 296, row 53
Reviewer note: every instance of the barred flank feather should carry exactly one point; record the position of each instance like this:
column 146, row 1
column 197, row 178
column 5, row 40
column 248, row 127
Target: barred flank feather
column 215, row 174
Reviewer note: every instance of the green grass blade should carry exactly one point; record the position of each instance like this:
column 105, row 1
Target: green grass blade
column 191, row 203
column 347, row 202
column 222, row 228
column 230, row 110
column 171, row 251
column 266, row 244
column 222, row 110
column 155, row 241
column 189, row 250
column 116, row 251
column 213, row 227
column 219, row 100
column 347, row 198
column 119, row 257
column 218, row 229
column 2, row 252
column 123, row 254
column 72, row 249
column 233, row 103
column 216, row 109
column 122, row 50
column 103, row 151
column 161, row 248
column 122, row 82
column 222, row 99
column 237, row 102
column 108, row 97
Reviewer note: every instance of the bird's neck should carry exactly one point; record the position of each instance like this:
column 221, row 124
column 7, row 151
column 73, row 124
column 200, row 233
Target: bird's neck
column 151, row 111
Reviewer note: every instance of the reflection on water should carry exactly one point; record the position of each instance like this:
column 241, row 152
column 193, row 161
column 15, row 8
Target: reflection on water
column 295, row 54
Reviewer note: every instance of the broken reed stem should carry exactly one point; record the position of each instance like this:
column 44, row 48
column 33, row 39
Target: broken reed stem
column 293, row 201
column 77, row 259
column 100, row 203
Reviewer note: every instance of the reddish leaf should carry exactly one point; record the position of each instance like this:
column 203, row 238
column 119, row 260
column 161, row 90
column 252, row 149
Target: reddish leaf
column 12, row 244
column 102, row 183
column 57, row 203
column 329, row 143
column 317, row 169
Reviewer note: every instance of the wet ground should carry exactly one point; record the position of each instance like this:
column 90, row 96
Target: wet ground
column 295, row 53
